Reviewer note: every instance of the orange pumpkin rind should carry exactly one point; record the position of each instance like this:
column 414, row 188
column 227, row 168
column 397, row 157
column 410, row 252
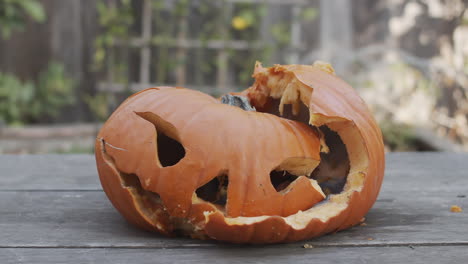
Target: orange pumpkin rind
column 294, row 103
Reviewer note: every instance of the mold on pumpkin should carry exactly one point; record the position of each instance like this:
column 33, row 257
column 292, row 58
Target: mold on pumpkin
column 296, row 155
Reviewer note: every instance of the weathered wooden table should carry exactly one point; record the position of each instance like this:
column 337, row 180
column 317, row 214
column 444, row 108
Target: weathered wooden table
column 52, row 210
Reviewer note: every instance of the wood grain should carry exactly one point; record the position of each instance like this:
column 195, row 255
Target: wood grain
column 78, row 172
column 87, row 219
column 52, row 209
column 332, row 255
column 48, row 172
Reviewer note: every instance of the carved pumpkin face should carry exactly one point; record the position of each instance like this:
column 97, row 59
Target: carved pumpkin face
column 294, row 156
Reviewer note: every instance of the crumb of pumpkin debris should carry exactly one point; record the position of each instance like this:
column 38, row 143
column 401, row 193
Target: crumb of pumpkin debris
column 455, row 209
column 307, row 246
column 370, row 238
column 362, row 224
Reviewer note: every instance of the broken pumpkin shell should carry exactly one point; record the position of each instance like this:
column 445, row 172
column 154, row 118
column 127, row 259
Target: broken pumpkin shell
column 295, row 156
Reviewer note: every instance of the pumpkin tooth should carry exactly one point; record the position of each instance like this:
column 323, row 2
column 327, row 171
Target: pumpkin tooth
column 323, row 144
column 289, row 95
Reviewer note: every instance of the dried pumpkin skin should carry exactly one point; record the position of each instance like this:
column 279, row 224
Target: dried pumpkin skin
column 295, row 156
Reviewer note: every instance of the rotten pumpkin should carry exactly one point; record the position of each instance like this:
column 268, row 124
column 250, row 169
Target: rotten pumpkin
column 294, row 156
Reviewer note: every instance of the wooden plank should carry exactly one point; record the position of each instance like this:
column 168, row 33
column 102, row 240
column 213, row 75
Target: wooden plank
column 48, row 172
column 271, row 254
column 417, row 216
column 39, row 208
column 71, row 219
column 404, row 171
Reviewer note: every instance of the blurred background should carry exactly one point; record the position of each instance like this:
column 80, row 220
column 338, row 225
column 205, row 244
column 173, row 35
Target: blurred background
column 65, row 65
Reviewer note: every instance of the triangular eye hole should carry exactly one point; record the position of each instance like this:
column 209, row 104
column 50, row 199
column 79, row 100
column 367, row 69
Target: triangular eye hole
column 169, row 149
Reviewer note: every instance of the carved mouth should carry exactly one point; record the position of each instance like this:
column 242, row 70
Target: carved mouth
column 343, row 162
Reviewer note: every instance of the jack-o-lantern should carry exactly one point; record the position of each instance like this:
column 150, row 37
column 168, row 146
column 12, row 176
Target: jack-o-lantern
column 295, row 156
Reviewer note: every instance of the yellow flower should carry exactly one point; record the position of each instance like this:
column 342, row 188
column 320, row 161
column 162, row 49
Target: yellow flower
column 239, row 23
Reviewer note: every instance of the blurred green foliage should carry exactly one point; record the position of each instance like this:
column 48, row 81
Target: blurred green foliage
column 216, row 20
column 116, row 56
column 98, row 105
column 28, row 102
column 115, row 21
column 13, row 15
column 15, row 99
column 54, row 91
column 280, row 32
column 399, row 137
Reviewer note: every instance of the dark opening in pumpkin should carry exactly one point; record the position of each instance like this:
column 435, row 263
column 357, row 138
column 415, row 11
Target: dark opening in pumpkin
column 332, row 172
column 170, row 151
column 334, row 166
column 238, row 101
column 132, row 181
column 215, row 191
column 280, row 179
column 290, row 170
column 149, row 203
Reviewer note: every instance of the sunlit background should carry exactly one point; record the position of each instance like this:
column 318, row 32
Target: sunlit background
column 65, row 65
